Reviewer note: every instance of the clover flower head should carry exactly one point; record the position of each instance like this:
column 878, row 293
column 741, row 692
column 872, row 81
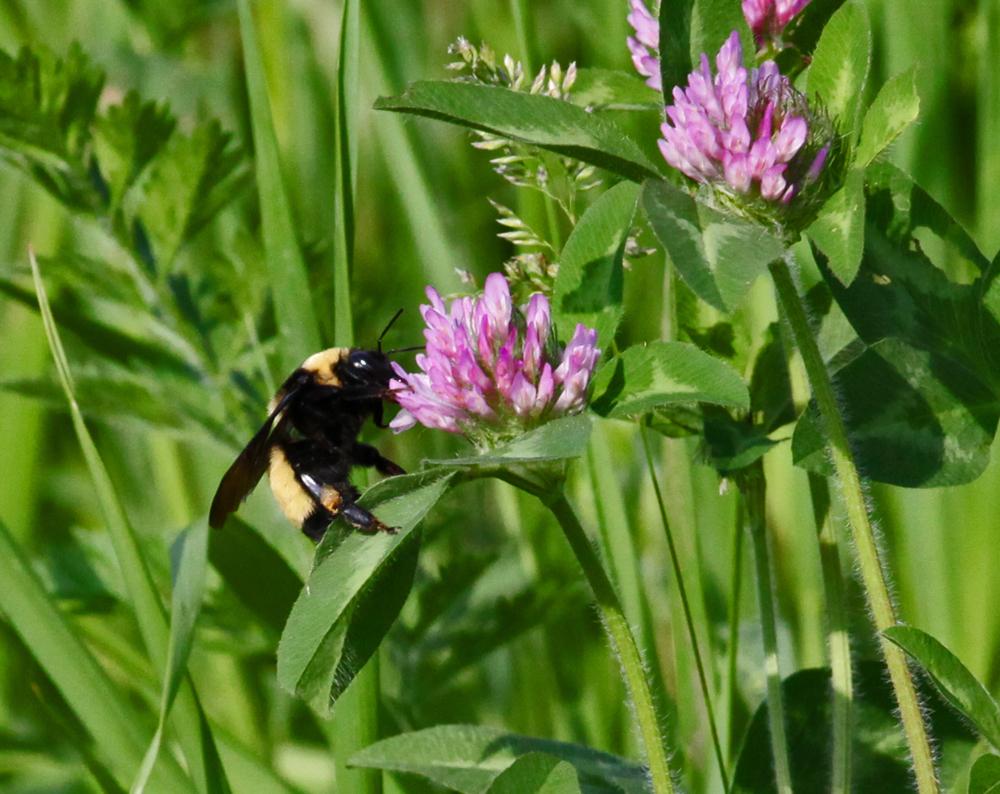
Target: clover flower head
column 490, row 371
column 768, row 18
column 645, row 45
column 748, row 135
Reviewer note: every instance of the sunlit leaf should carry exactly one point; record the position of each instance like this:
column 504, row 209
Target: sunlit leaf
column 717, row 255
column 894, row 109
column 330, row 632
column 952, row 678
column 662, row 373
column 536, row 773
column 470, row 758
column 840, row 66
column 590, row 283
column 603, row 89
column 985, row 775
column 839, row 229
column 546, row 122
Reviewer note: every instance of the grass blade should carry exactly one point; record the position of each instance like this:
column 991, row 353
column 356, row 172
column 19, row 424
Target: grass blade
column 116, row 728
column 293, row 306
column 135, row 571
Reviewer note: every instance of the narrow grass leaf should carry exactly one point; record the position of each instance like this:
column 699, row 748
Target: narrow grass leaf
column 345, row 168
column 119, row 733
column 469, row 758
column 952, row 678
column 589, row 286
column 712, row 22
column 839, row 229
column 894, row 109
column 718, row 256
column 135, row 571
column 537, row 773
column 314, row 649
column 665, row 373
column 189, row 557
column 985, row 775
column 675, row 43
column 293, row 305
column 543, row 121
column 840, row 66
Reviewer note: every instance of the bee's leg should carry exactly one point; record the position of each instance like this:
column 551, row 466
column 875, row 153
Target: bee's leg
column 377, row 416
column 367, row 455
column 363, row 521
column 316, row 525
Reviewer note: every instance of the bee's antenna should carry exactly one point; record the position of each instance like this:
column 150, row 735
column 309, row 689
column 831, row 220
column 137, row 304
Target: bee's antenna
column 404, row 350
column 386, row 330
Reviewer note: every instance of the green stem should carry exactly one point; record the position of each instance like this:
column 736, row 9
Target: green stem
column 682, row 591
column 838, row 639
column 734, row 701
column 621, row 636
column 872, row 571
column 752, row 486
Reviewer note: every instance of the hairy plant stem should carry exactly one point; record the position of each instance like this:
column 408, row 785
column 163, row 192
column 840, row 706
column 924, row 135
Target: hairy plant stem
column 682, row 591
column 752, row 487
column 732, row 665
column 872, row 571
column 838, row 640
column 621, row 636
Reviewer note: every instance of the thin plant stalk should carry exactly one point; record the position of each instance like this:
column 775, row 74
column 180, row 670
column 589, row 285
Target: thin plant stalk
column 733, row 652
column 838, row 639
column 752, row 486
column 682, row 591
column 620, row 633
column 872, row 571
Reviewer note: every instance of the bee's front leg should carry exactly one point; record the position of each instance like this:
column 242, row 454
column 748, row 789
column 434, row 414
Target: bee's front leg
column 367, row 455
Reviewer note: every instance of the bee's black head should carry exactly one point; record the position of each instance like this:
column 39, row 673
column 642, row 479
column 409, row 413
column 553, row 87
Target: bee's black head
column 365, row 368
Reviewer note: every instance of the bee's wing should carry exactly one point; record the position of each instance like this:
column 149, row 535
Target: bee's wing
column 247, row 469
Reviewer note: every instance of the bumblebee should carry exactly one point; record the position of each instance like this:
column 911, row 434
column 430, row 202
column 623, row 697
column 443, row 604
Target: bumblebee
column 310, row 442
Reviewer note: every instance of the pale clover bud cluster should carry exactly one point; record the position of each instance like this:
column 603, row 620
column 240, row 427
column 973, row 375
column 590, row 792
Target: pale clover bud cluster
column 751, row 136
column 490, row 372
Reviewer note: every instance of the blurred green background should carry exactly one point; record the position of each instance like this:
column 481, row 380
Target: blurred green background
column 514, row 643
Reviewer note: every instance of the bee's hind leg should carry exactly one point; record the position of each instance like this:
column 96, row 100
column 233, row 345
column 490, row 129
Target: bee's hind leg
column 363, row 521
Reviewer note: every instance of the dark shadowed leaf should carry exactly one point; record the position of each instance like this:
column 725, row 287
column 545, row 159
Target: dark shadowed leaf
column 805, row 30
column 663, row 373
column 543, row 121
column 717, row 255
column 920, row 389
column 985, row 775
column 257, row 574
column 952, row 678
column 590, row 282
column 469, row 758
column 536, row 773
column 353, row 594
column 880, row 755
column 915, row 419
